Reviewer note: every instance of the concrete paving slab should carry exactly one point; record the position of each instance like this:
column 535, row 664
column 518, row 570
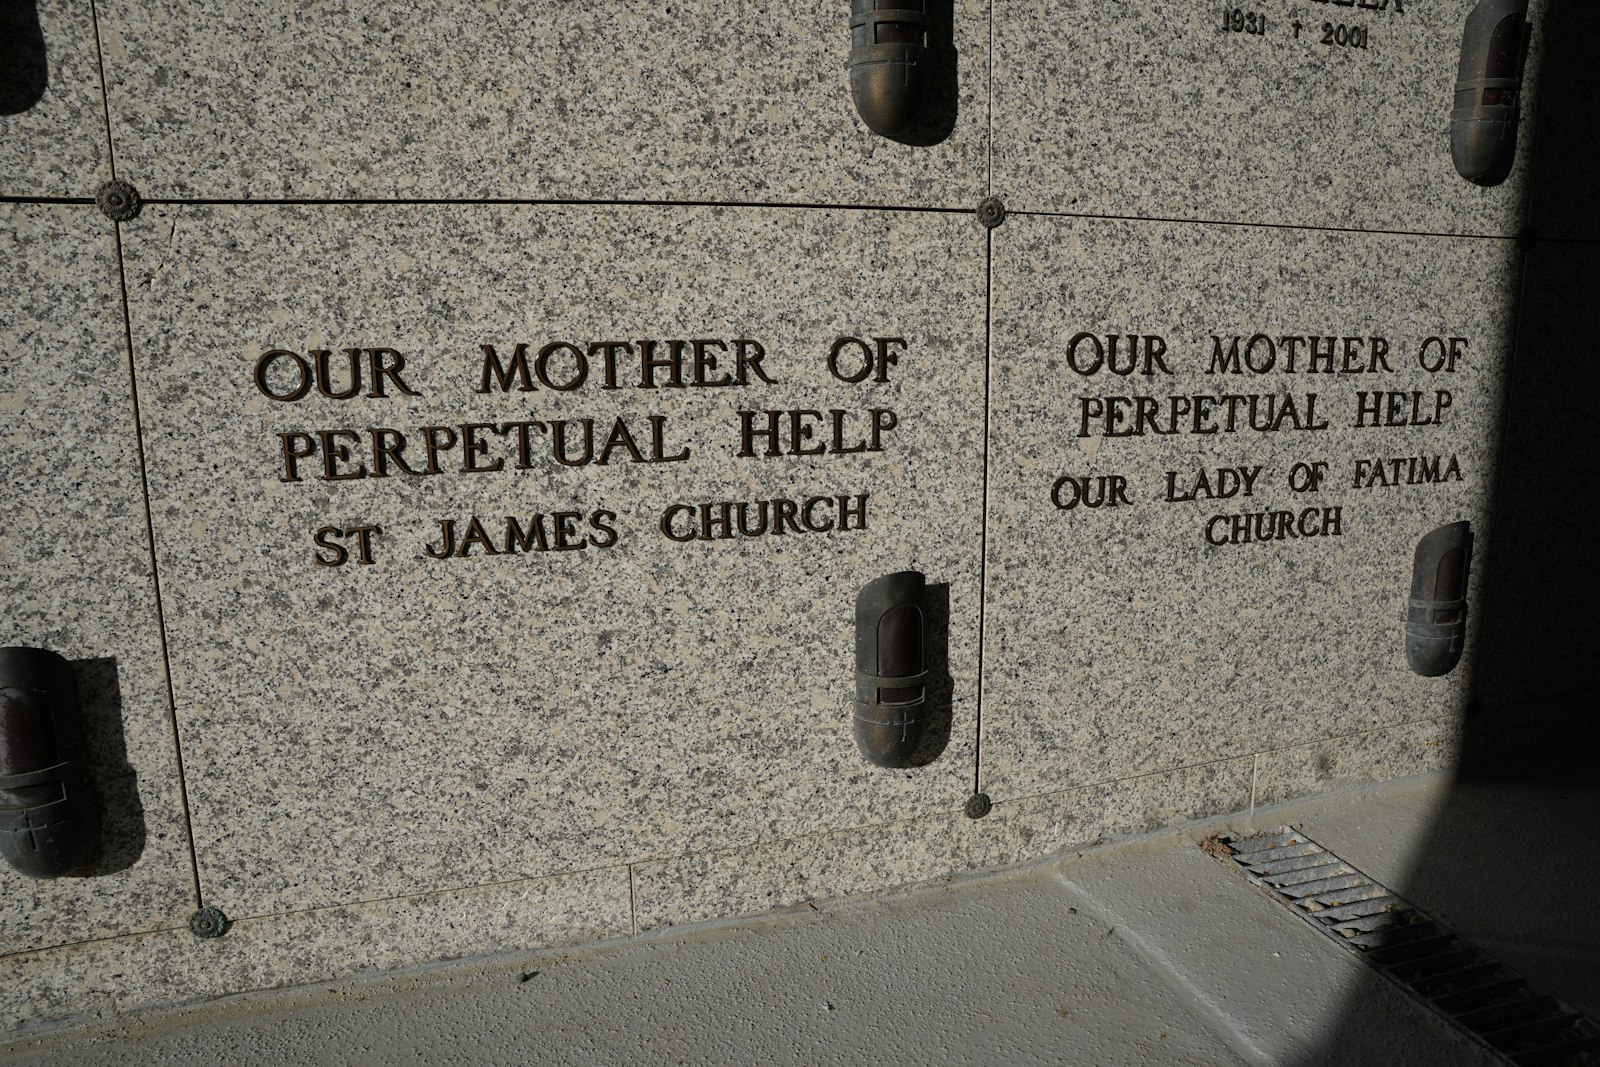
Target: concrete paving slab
column 1263, row 979
column 1002, row 972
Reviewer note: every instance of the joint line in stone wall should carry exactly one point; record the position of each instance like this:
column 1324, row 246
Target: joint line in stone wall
column 155, row 566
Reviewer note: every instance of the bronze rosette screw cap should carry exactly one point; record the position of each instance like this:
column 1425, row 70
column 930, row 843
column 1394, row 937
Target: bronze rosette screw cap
column 118, row 201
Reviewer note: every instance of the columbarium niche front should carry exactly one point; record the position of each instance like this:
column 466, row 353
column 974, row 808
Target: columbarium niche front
column 452, row 488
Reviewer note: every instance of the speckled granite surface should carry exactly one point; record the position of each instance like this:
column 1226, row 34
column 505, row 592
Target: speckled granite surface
column 52, row 126
column 692, row 100
column 889, row 855
column 1150, row 109
column 421, row 723
column 75, row 571
column 104, row 978
column 1396, row 752
column 1124, row 639
column 425, row 758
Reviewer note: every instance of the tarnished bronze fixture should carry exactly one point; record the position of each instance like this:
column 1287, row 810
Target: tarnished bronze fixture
column 891, row 712
column 1483, row 125
column 49, row 814
column 888, row 61
column 1436, row 615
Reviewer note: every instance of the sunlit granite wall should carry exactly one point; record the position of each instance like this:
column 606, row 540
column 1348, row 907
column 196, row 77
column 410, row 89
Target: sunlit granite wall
column 409, row 651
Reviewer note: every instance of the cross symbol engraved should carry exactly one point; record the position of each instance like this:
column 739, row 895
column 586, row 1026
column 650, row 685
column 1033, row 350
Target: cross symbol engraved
column 905, row 63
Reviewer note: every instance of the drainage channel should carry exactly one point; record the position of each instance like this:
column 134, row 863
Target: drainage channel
column 1455, row 978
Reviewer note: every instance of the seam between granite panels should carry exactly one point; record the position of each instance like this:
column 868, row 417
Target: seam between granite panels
column 1130, row 778
column 144, row 476
column 59, row 946
column 12, row 198
column 1272, row 225
column 155, row 568
column 105, row 99
column 983, row 525
column 633, row 904
column 745, row 846
column 989, row 104
column 85, row 201
column 1436, row 720
column 446, row 891
column 180, row 201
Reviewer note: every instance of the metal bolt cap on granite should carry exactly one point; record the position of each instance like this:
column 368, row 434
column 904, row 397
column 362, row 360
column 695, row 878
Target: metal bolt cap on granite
column 208, row 923
column 991, row 211
column 118, row 201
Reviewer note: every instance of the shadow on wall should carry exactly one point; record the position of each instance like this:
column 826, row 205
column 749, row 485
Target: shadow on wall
column 937, row 120
column 1510, row 860
column 23, row 71
column 122, row 835
column 940, row 688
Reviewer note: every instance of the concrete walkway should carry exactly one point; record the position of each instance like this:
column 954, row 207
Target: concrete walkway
column 1149, row 952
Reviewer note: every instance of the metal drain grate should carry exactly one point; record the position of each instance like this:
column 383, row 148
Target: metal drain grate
column 1420, row 954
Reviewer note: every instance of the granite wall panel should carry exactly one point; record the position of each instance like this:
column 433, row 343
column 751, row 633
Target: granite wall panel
column 100, row 979
column 75, row 572
column 52, row 124
column 690, row 101
column 1375, row 756
column 472, row 654
column 1197, row 549
column 556, row 659
column 887, row 856
column 1156, row 109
